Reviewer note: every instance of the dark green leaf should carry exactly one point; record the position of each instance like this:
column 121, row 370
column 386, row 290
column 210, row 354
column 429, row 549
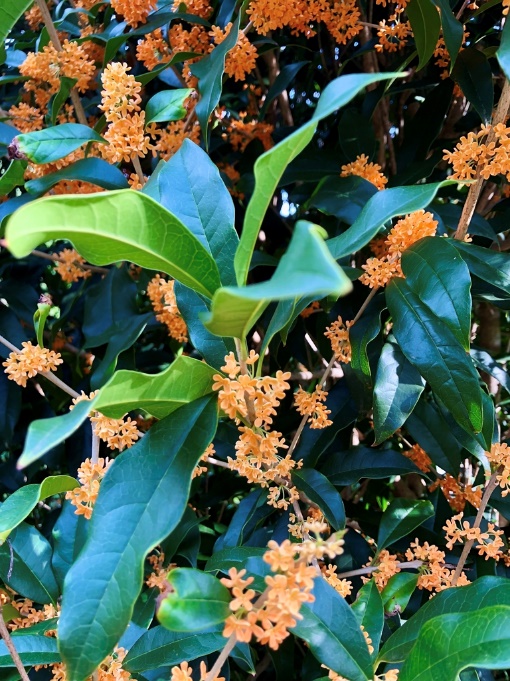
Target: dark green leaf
column 472, row 72
column 319, row 489
column 167, row 105
column 486, row 264
column 281, row 83
column 369, row 611
column 401, row 518
column 59, row 99
column 343, row 197
column 347, row 467
column 232, row 557
column 197, row 601
column 13, row 177
column 32, row 650
column 51, row 144
column 156, row 474
column 68, row 535
column 93, row 170
column 426, row 26
column 486, row 363
column 453, row 30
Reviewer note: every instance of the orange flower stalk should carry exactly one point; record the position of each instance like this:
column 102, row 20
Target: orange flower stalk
column 162, row 296
column 489, row 541
column 338, row 334
column 90, row 475
column 30, row 361
column 499, row 457
column 369, row 171
column 310, row 404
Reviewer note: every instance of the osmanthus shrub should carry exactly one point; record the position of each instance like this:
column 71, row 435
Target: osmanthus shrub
column 253, row 323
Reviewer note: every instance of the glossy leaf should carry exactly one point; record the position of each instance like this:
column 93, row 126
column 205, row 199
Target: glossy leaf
column 485, row 592
column 398, row 591
column 369, row 611
column 450, row 643
column 343, row 197
column 232, row 557
column 435, row 352
column 115, row 226
column 167, row 105
column 156, row 473
column 472, row 72
column 44, row 434
column 401, row 518
column 185, row 380
column 440, row 278
column 398, row 386
column 491, row 266
column 68, row 536
column 319, row 489
column 13, row 177
column 331, row 630
column 503, row 54
column 198, row 601
column 52, row 144
column 93, row 170
column 306, row 269
column 453, row 30
column 426, row 26
column 349, row 466
column 58, row 100
column 281, row 83
column 11, row 12
column 269, row 167
column 160, row 647
column 22, row 502
column 32, row 649
column 189, row 185
column 379, row 209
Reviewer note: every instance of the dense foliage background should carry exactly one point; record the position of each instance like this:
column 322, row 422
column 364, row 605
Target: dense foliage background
column 253, row 320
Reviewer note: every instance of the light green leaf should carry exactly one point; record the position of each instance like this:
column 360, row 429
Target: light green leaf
column 44, row 434
column 197, row 601
column 450, row 643
column 22, row 502
column 167, row 105
column 142, row 498
column 269, row 167
column 11, row 12
column 426, row 26
column 401, row 518
column 51, row 144
column 185, row 380
column 115, row 226
column 306, row 269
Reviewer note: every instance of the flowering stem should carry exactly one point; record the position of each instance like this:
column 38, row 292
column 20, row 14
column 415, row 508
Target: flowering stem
column 475, row 189
column 372, row 568
column 52, row 32
column 489, row 489
column 4, row 632
column 138, row 168
column 241, row 355
column 47, row 374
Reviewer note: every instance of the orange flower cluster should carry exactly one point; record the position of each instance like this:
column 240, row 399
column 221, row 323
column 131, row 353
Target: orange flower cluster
column 233, row 176
column 489, row 542
column 109, row 670
column 200, row 8
column 311, row 405
column 30, row 361
column 26, row 118
column 338, row 334
column 153, row 50
column 269, row 619
column 241, row 60
column 185, row 673
column 45, row 69
column 158, row 577
column 134, row 11
column 499, row 457
column 240, row 133
column 393, row 34
column 433, row 575
column 120, row 101
column 475, row 156
column 419, row 457
column 310, row 310
column 117, row 433
column 343, row 586
column 198, row 470
column 456, row 494
column 406, row 232
column 162, row 296
column 369, row 171
column 387, row 566
column 390, row 675
column 90, row 475
column 169, row 140
column 70, row 266
column 442, row 55
column 30, row 615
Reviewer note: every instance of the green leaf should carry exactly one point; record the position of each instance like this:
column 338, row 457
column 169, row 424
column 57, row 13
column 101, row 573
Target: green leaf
column 51, row 144
column 485, row 592
column 68, row 536
column 281, row 83
column 435, row 352
column 185, row 380
column 398, row 386
column 453, row 30
column 503, row 53
column 32, row 650
column 491, row 266
column 167, row 105
column 440, row 278
column 361, row 335
column 472, row 72
column 232, row 557
column 44, row 434
column 162, row 648
column 450, row 643
column 349, row 466
column 319, row 489
column 269, row 167
column 40, row 317
column 13, row 177
column 28, row 569
column 209, row 71
column 343, row 197
column 11, row 12
column 398, row 591
column 58, row 100
column 93, row 170
column 379, row 209
column 189, row 185
column 142, row 498
column 115, row 226
column 401, row 518
column 198, row 601
column 426, row 27
column 369, row 611
column 22, row 502
column 333, row 634
column 306, row 269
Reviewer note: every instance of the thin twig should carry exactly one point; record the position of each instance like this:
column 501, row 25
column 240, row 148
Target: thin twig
column 138, row 168
column 489, row 489
column 4, row 632
column 56, row 258
column 52, row 32
column 373, row 568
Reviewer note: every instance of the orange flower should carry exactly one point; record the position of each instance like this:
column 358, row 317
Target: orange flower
column 162, row 296
column 499, row 457
column 419, row 457
column 134, row 11
column 310, row 404
column 90, row 475
column 121, row 91
column 26, row 118
column 362, row 168
column 200, row 8
column 70, row 266
column 117, row 433
column 240, row 60
column 153, row 50
column 30, row 361
column 393, row 36
column 338, row 334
